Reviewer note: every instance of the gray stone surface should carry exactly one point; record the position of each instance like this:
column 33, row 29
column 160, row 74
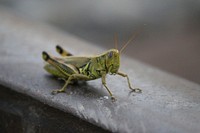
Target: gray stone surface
column 22, row 114
column 167, row 104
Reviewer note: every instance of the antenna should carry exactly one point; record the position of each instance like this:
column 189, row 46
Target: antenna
column 116, row 41
column 131, row 38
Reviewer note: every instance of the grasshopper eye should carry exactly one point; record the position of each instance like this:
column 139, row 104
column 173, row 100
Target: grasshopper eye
column 110, row 55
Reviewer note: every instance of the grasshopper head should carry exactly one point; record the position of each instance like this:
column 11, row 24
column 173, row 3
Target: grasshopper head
column 112, row 61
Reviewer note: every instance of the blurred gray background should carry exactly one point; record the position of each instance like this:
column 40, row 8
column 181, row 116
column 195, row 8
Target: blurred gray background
column 170, row 40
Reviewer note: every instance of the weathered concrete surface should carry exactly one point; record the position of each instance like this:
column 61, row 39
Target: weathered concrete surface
column 167, row 104
column 22, row 114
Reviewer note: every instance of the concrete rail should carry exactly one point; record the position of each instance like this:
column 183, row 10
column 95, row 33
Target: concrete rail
column 167, row 103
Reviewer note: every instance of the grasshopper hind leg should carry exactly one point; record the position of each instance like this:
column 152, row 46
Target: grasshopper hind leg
column 69, row 80
column 60, row 90
column 63, row 70
column 62, row 51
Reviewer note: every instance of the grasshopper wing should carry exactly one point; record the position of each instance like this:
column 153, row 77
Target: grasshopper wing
column 75, row 61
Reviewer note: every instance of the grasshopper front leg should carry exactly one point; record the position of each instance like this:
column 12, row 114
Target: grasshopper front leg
column 129, row 84
column 71, row 77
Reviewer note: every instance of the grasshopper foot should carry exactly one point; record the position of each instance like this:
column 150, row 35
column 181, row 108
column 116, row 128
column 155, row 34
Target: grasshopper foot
column 137, row 90
column 113, row 99
column 57, row 91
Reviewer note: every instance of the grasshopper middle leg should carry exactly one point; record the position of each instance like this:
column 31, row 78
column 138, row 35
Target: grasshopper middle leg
column 104, row 83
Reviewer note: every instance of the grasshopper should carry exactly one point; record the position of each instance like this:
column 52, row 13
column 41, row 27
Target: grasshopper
column 73, row 68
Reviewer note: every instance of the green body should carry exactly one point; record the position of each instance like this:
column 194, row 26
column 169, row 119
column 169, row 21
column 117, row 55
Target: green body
column 72, row 68
column 90, row 66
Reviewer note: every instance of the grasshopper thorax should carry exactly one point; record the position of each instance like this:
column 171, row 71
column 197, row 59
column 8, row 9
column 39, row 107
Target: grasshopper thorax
column 112, row 61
